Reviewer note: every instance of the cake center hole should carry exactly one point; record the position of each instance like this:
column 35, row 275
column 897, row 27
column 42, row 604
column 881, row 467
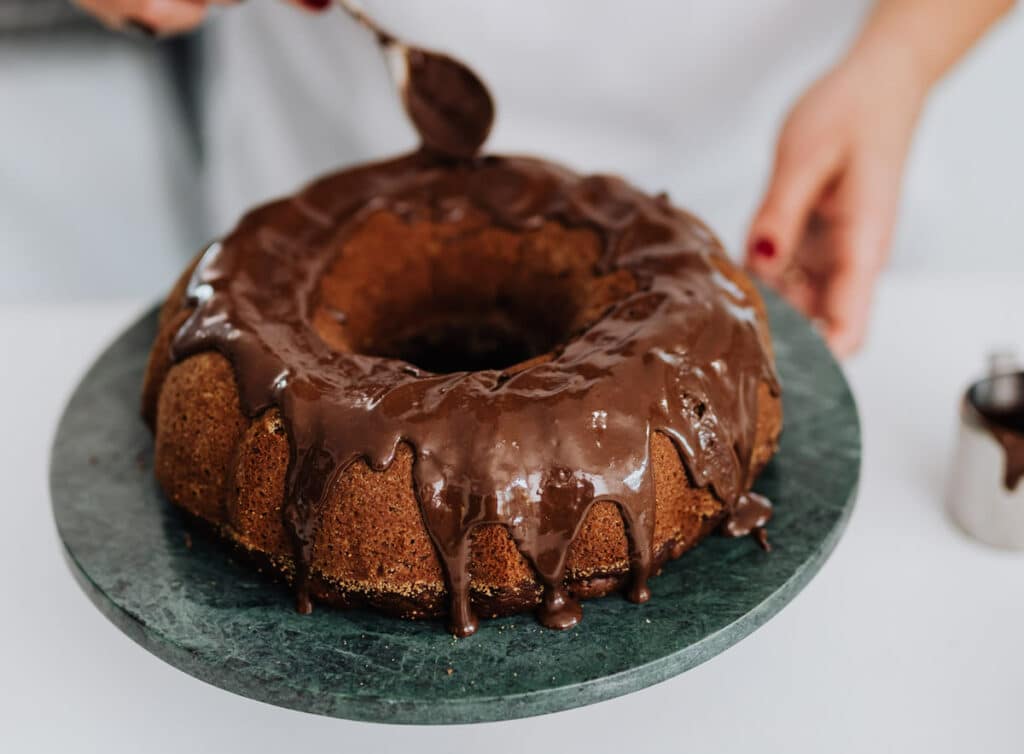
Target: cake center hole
column 466, row 343
column 462, row 295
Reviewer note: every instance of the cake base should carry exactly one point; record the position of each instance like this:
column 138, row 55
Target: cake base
column 185, row 599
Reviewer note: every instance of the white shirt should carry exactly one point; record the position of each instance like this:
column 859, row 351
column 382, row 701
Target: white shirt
column 680, row 96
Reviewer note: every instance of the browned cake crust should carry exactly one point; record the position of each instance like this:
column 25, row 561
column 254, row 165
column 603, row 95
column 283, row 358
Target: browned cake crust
column 372, row 547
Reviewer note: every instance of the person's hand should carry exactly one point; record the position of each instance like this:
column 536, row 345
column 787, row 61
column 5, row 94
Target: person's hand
column 824, row 227
column 160, row 17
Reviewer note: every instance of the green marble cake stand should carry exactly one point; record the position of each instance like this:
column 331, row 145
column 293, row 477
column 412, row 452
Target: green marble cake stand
column 183, row 598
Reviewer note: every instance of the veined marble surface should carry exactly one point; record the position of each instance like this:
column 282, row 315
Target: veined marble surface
column 221, row 622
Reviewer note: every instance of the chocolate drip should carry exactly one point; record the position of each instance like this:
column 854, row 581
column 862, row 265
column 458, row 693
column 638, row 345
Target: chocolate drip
column 998, row 404
column 748, row 515
column 1007, row 428
column 682, row 355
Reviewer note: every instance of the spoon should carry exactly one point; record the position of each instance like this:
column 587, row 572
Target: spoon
column 447, row 102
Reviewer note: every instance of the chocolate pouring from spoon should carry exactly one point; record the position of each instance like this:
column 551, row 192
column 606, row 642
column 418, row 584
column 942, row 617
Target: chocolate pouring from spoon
column 448, row 103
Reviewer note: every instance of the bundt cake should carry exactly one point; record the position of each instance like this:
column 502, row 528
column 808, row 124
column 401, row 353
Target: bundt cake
column 464, row 387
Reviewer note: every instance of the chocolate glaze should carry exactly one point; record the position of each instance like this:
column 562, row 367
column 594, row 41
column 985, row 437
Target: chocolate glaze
column 682, row 355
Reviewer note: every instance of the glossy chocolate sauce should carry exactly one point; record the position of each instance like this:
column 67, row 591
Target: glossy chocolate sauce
column 749, row 515
column 533, row 448
column 448, row 103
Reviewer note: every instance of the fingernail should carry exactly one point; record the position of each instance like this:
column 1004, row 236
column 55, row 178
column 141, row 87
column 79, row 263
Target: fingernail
column 317, row 4
column 764, row 248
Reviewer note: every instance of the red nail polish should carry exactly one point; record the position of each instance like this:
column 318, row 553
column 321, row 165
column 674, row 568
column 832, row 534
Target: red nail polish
column 317, row 4
column 764, row 248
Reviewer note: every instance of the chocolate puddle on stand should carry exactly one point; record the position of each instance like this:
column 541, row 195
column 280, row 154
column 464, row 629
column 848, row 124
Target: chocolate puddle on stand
column 686, row 343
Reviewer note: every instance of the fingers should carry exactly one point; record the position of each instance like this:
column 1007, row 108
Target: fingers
column 170, row 16
column 862, row 227
column 158, row 17
column 801, row 174
column 846, row 305
column 313, row 5
column 830, row 281
column 802, row 293
column 153, row 16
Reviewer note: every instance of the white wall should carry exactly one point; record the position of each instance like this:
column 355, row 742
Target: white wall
column 964, row 202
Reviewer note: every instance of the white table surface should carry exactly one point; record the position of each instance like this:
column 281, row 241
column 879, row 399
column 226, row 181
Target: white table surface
column 908, row 640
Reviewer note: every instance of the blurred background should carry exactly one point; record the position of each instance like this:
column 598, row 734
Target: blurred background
column 120, row 156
